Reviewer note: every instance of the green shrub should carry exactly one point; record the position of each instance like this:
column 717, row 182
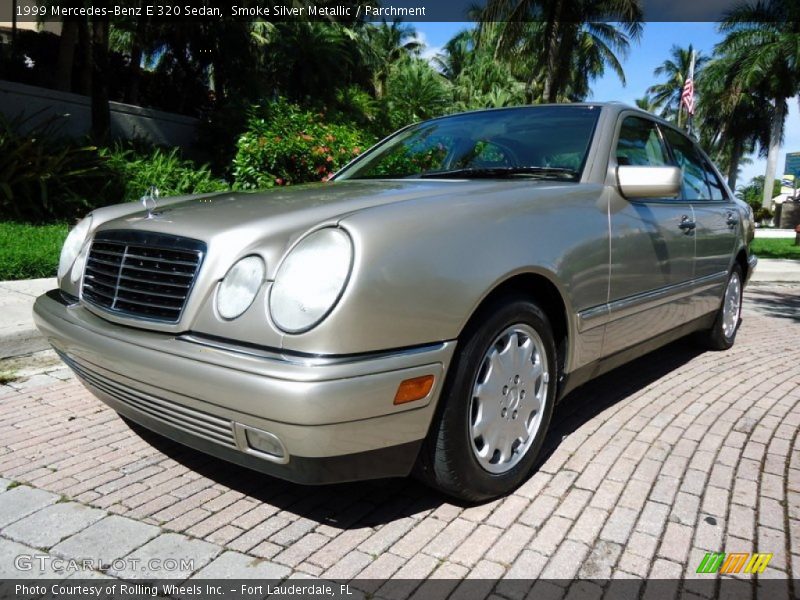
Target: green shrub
column 136, row 170
column 761, row 214
column 285, row 144
column 30, row 251
column 44, row 177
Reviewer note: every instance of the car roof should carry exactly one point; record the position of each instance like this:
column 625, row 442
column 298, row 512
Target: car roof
column 612, row 106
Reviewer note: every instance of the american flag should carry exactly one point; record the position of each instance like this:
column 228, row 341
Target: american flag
column 687, row 96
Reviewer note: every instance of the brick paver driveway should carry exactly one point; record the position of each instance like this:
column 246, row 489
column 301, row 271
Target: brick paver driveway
column 649, row 468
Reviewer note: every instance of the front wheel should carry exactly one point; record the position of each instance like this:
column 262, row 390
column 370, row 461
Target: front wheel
column 497, row 404
column 722, row 335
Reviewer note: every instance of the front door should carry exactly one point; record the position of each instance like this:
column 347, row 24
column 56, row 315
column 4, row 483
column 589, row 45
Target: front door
column 652, row 248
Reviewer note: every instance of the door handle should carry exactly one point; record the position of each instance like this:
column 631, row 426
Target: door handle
column 731, row 219
column 687, row 224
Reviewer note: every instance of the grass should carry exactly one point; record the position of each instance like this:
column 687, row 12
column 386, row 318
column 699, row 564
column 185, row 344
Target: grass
column 30, row 251
column 775, row 248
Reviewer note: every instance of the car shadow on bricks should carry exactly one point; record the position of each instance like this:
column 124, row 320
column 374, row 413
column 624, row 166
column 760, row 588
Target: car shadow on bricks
column 374, row 503
column 588, row 401
column 344, row 505
column 778, row 302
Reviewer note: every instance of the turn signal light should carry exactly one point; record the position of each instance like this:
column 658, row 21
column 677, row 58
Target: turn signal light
column 413, row 389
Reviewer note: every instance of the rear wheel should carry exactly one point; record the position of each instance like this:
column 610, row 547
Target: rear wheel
column 497, row 404
column 723, row 334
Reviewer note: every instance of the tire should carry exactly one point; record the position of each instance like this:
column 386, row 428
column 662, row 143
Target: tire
column 488, row 394
column 723, row 334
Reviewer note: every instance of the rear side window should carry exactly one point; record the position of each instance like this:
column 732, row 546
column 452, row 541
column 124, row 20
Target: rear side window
column 640, row 144
column 695, row 185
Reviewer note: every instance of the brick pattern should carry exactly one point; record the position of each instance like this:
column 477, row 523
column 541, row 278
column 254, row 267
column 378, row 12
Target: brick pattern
column 648, row 468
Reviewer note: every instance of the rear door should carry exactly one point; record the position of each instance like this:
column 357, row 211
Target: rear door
column 716, row 222
column 652, row 247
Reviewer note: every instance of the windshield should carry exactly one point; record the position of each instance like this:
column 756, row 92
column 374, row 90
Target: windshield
column 544, row 141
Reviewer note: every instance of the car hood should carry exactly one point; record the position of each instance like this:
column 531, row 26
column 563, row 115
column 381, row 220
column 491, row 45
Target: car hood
column 292, row 208
column 271, row 212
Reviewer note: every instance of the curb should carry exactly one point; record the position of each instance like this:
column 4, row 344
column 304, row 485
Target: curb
column 23, row 342
column 18, row 334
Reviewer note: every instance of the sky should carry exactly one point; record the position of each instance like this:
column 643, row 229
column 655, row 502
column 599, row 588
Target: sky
column 643, row 58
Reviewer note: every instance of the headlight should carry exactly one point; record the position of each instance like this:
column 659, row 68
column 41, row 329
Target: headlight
column 310, row 280
column 240, row 286
column 80, row 264
column 72, row 245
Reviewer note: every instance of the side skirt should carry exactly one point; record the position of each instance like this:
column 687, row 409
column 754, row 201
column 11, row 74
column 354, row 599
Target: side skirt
column 588, row 372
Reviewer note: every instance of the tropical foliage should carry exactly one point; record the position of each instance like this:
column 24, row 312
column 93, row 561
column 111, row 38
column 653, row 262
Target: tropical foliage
column 753, row 192
column 762, row 45
column 43, row 177
column 47, row 178
column 259, row 87
column 665, row 96
column 134, row 170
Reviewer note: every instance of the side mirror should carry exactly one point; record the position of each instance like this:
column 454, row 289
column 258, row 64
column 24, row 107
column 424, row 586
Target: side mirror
column 649, row 182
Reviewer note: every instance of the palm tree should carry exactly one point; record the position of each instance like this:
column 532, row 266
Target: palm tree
column 457, row 54
column 667, row 94
column 479, row 81
column 763, row 41
column 486, row 83
column 386, row 45
column 594, row 50
column 309, row 61
column 646, row 103
column 733, row 122
column 416, row 91
column 550, row 34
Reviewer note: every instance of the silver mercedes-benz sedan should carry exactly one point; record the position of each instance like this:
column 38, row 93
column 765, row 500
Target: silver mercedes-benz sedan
column 422, row 312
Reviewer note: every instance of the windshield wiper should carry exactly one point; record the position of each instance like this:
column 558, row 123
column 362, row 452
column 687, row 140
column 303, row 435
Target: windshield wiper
column 499, row 172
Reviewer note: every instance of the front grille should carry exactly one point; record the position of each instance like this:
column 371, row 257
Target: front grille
column 141, row 274
column 189, row 420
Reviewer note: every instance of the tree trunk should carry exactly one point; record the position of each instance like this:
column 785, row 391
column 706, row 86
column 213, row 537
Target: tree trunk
column 85, row 45
column 550, row 92
column 101, row 113
column 66, row 54
column 137, row 49
column 551, row 38
column 733, row 165
column 774, row 147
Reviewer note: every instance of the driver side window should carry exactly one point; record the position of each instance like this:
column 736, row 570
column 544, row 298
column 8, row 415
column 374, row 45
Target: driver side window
column 695, row 185
column 640, row 144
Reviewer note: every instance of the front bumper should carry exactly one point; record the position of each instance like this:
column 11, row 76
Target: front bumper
column 334, row 416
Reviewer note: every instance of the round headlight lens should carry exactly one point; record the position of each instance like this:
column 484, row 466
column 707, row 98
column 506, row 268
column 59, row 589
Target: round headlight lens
column 310, row 280
column 240, row 286
column 72, row 245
